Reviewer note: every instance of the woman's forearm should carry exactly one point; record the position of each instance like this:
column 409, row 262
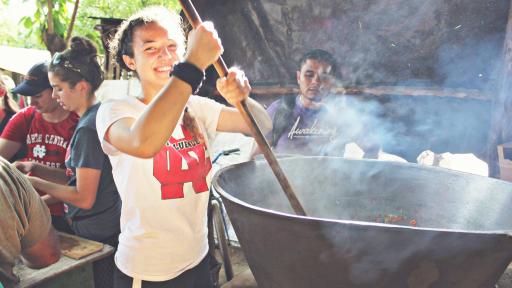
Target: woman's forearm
column 55, row 175
column 144, row 137
column 64, row 193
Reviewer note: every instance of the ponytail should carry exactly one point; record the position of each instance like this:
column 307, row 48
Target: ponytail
column 190, row 124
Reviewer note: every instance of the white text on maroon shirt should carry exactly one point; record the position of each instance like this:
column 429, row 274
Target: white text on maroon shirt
column 48, row 139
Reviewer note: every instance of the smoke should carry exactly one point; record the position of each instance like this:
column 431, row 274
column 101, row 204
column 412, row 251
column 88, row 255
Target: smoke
column 474, row 67
column 390, row 42
column 361, row 121
column 407, row 125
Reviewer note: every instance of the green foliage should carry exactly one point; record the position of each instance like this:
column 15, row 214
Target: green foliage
column 28, row 32
column 120, row 9
column 13, row 33
column 36, row 24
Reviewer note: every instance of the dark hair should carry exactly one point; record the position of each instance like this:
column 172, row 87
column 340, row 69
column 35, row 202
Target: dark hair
column 122, row 43
column 284, row 111
column 320, row 55
column 10, row 106
column 79, row 62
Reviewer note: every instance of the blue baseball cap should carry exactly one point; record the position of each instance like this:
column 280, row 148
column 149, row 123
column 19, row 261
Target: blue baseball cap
column 35, row 82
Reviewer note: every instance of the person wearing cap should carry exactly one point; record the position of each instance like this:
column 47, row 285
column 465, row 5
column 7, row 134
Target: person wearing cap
column 41, row 132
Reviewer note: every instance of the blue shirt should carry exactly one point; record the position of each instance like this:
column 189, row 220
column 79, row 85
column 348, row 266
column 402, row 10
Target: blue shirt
column 102, row 220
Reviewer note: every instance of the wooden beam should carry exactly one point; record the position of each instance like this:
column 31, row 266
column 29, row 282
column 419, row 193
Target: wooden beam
column 379, row 91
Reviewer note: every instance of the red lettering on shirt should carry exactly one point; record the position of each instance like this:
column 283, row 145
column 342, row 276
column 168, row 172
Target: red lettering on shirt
column 167, row 166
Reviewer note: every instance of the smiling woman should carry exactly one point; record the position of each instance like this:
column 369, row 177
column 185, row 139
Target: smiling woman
column 159, row 145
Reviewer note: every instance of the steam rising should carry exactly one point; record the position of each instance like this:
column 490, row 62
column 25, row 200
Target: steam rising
column 406, row 126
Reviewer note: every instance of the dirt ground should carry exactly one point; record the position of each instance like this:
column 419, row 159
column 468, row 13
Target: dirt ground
column 506, row 279
column 238, row 263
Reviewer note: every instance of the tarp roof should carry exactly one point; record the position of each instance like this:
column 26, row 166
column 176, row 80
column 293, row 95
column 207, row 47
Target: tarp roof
column 451, row 44
column 20, row 60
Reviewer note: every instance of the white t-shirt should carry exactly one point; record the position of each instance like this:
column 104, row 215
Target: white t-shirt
column 164, row 199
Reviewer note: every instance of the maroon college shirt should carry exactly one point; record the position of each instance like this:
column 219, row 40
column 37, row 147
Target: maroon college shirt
column 46, row 142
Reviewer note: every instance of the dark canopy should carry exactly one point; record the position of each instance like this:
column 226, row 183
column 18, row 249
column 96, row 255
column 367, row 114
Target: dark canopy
column 456, row 43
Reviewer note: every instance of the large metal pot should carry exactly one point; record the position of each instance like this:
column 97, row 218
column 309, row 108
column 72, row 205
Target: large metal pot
column 462, row 238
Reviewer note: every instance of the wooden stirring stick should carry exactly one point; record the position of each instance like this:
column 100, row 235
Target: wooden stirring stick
column 220, row 66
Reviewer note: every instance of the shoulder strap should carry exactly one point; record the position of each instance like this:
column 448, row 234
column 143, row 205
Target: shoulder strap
column 282, row 117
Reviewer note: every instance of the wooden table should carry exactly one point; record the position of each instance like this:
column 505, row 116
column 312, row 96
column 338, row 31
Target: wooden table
column 67, row 272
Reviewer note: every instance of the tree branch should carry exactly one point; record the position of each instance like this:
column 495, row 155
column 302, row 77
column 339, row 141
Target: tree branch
column 50, row 29
column 72, row 23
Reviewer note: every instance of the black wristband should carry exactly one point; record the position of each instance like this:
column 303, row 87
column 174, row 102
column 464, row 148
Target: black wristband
column 189, row 73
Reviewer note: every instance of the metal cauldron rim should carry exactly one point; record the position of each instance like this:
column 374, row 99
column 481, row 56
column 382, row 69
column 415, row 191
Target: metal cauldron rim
column 261, row 210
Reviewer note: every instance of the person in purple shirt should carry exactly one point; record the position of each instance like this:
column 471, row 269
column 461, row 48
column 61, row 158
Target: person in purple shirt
column 304, row 124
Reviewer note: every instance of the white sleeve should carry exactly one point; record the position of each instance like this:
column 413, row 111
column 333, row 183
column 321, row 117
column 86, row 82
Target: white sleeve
column 207, row 112
column 108, row 113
